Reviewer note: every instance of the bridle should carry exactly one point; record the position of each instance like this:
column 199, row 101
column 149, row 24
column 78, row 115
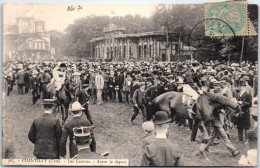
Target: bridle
column 68, row 90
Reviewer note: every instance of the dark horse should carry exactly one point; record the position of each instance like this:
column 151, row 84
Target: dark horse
column 65, row 96
column 171, row 102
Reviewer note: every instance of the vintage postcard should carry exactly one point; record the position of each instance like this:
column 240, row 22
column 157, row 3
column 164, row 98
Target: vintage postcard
column 88, row 84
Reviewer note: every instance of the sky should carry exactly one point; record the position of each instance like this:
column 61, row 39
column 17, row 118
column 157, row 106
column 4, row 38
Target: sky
column 57, row 17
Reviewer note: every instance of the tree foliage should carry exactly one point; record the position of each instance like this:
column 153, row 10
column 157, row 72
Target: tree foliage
column 79, row 34
column 171, row 19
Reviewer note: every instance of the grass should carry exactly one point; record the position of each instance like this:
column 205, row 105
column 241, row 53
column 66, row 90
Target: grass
column 115, row 134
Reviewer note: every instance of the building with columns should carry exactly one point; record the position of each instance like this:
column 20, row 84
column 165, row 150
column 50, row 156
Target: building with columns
column 148, row 46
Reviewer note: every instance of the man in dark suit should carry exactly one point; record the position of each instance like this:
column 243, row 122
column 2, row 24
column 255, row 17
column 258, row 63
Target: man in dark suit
column 162, row 152
column 120, row 83
column 139, row 102
column 83, row 98
column 27, row 81
column 77, row 121
column 34, row 83
column 45, row 133
column 20, row 81
column 83, row 139
column 245, row 101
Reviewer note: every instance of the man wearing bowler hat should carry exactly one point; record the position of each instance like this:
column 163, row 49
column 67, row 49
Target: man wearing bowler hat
column 45, row 133
column 77, row 121
column 162, row 152
column 139, row 102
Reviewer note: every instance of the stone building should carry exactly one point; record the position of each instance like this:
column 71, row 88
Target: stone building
column 148, row 46
column 26, row 40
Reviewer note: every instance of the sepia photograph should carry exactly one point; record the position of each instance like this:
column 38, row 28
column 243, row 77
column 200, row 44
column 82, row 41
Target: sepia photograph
column 130, row 84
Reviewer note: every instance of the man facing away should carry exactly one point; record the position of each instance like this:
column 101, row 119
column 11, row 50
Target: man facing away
column 83, row 139
column 162, row 152
column 45, row 133
column 77, row 121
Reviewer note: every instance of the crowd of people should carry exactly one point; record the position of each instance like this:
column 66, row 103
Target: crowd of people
column 138, row 83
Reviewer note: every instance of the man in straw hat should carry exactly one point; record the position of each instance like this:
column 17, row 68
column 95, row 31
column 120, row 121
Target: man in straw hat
column 77, row 121
column 45, row 133
column 162, row 152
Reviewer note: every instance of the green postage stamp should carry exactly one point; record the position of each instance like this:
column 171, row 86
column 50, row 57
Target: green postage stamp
column 227, row 19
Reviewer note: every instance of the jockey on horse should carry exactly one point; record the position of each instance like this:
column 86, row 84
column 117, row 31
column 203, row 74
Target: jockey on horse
column 192, row 86
column 59, row 77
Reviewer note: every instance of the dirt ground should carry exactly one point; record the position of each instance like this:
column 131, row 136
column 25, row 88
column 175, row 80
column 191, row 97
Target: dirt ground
column 115, row 134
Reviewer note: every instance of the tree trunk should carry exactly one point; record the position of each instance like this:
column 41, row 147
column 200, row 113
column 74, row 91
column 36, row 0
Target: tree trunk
column 167, row 44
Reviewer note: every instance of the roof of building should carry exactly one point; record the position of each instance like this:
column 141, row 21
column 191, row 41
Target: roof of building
column 145, row 34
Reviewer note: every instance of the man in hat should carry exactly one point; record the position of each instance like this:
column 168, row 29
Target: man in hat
column 99, row 85
column 83, row 98
column 193, row 83
column 77, row 121
column 105, row 88
column 59, row 76
column 149, row 137
column 139, row 102
column 180, row 85
column 251, row 158
column 111, row 86
column 245, row 101
column 76, row 80
column 120, row 83
column 83, row 139
column 162, row 152
column 46, row 78
column 34, row 84
column 45, row 133
column 127, row 86
column 27, row 76
column 20, row 80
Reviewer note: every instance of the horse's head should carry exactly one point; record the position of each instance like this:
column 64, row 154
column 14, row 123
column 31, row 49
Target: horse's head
column 72, row 89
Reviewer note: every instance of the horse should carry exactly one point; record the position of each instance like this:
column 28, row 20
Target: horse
column 172, row 103
column 65, row 96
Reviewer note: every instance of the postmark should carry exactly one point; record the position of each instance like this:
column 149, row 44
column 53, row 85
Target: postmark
column 233, row 13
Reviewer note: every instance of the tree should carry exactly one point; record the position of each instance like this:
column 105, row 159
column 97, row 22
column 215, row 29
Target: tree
column 177, row 19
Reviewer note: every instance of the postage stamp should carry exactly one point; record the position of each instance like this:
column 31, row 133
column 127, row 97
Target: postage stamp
column 226, row 19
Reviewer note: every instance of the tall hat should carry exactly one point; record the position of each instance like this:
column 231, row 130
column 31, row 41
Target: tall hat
column 76, row 106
